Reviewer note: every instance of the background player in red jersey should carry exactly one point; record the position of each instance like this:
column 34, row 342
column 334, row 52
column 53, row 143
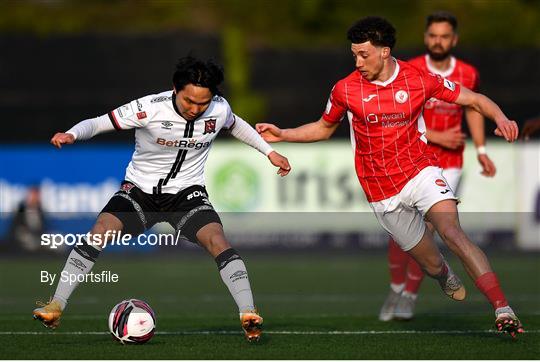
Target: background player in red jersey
column 383, row 99
column 447, row 140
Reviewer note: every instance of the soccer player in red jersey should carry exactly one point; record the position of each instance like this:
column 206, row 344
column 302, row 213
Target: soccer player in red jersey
column 446, row 140
column 383, row 99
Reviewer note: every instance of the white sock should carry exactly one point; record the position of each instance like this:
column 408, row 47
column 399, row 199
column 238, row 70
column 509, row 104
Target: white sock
column 413, row 296
column 234, row 274
column 79, row 262
column 397, row 288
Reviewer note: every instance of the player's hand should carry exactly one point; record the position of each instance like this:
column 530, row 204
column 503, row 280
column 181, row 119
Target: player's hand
column 488, row 167
column 507, row 129
column 281, row 162
column 452, row 138
column 531, row 126
column 269, row 132
column 62, row 138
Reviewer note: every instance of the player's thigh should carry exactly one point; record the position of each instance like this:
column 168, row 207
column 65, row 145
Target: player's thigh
column 404, row 224
column 130, row 206
column 427, row 189
column 444, row 217
column 453, row 177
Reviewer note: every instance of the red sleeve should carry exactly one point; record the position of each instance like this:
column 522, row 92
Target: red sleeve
column 440, row 88
column 476, row 83
column 336, row 105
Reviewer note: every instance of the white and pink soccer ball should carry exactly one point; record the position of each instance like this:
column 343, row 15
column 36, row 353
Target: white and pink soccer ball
column 132, row 321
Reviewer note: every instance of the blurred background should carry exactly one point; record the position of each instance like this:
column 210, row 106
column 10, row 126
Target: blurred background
column 65, row 61
column 315, row 253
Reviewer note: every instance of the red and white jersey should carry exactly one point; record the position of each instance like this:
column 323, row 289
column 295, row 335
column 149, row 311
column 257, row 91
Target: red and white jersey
column 440, row 115
column 387, row 128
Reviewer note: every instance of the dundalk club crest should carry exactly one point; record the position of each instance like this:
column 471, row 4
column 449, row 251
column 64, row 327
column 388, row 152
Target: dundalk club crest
column 209, row 126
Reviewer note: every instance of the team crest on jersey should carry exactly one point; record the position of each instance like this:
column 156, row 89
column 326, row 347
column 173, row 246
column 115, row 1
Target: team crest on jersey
column 141, row 115
column 401, row 96
column 209, row 126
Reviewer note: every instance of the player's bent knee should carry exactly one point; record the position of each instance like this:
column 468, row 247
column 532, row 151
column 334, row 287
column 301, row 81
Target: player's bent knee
column 105, row 222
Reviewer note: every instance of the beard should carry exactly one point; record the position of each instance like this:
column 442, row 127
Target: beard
column 439, row 55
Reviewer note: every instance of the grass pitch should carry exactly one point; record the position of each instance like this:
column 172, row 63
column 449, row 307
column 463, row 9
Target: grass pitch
column 315, row 307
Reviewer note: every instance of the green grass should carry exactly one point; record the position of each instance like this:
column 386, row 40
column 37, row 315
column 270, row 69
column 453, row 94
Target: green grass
column 296, row 292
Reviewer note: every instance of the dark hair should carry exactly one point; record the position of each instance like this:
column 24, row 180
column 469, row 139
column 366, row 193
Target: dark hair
column 440, row 17
column 375, row 29
column 190, row 70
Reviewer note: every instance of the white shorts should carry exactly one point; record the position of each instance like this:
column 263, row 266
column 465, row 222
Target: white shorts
column 453, row 176
column 402, row 215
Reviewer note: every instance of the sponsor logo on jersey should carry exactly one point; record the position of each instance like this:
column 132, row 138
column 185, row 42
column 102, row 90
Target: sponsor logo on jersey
column 401, row 96
column 449, row 84
column 209, row 126
column 141, row 115
column 125, row 111
column 372, row 118
column 161, row 99
column 368, row 98
column 166, row 125
column 217, row 99
column 440, row 182
column 192, row 143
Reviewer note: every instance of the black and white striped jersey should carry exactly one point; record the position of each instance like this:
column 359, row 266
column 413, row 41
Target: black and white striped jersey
column 170, row 152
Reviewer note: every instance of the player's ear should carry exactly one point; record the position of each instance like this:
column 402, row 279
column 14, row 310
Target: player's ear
column 385, row 52
column 455, row 40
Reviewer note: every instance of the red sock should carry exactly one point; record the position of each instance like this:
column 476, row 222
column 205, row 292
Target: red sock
column 415, row 275
column 489, row 285
column 397, row 261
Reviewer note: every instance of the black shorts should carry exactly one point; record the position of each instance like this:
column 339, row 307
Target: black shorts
column 187, row 211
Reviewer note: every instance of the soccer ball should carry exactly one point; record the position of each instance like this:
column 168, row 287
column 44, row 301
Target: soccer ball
column 132, row 321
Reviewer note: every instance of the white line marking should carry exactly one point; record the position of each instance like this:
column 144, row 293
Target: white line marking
column 184, row 333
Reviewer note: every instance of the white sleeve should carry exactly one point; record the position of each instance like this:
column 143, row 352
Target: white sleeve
column 241, row 130
column 90, row 127
column 134, row 114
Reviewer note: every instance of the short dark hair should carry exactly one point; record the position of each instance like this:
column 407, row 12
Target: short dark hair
column 375, row 29
column 441, row 17
column 190, row 70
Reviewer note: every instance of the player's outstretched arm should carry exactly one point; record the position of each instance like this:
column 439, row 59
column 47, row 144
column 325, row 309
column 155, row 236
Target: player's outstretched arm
column 281, row 162
column 60, row 139
column 83, row 130
column 245, row 133
column 451, row 138
column 309, row 132
column 482, row 104
column 476, row 125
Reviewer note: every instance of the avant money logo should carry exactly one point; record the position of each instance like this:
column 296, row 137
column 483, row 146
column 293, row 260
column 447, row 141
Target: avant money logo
column 237, row 187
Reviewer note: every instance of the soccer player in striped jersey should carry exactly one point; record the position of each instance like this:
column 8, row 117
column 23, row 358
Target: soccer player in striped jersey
column 164, row 181
column 383, row 99
column 447, row 140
